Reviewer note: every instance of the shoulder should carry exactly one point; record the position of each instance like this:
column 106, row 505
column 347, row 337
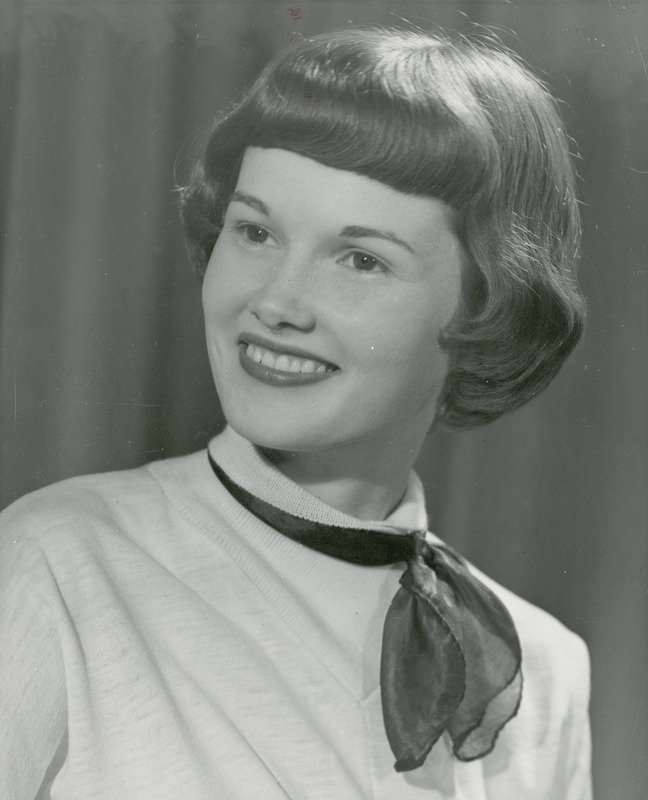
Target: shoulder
column 550, row 736
column 547, row 643
column 63, row 515
column 74, row 500
column 550, row 649
column 555, row 667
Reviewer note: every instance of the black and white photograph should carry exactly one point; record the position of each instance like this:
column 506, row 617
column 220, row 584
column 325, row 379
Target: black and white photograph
column 323, row 400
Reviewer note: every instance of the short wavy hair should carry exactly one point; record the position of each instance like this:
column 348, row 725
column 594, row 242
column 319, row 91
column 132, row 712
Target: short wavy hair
column 461, row 120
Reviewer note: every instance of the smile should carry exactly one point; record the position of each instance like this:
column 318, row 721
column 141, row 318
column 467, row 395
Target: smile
column 282, row 368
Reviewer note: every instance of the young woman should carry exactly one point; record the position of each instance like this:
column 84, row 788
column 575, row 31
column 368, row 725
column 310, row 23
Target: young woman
column 387, row 227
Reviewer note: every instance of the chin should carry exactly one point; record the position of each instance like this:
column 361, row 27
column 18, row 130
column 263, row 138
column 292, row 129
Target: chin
column 286, row 434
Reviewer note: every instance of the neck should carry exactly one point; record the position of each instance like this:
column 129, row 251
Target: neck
column 360, row 480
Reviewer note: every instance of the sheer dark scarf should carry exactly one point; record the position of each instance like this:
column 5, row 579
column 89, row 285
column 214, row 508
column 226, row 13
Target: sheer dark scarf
column 451, row 659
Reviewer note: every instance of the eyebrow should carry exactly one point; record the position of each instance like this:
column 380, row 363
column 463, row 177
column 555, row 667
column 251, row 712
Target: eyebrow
column 249, row 200
column 350, row 231
column 359, row 232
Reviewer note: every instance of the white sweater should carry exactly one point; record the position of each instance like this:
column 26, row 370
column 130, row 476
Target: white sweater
column 158, row 642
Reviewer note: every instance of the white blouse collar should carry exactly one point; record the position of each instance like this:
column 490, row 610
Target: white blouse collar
column 247, row 467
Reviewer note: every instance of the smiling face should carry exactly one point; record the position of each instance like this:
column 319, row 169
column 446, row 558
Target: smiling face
column 324, row 299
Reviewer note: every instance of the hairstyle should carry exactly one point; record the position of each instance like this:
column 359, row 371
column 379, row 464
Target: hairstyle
column 454, row 119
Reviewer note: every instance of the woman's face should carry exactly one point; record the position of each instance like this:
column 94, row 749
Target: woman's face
column 324, row 299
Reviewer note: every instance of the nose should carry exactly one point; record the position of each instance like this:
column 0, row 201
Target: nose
column 284, row 298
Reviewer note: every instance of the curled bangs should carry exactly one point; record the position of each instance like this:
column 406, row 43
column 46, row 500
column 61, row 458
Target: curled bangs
column 371, row 109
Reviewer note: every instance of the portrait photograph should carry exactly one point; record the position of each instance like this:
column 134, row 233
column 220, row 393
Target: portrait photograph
column 323, row 400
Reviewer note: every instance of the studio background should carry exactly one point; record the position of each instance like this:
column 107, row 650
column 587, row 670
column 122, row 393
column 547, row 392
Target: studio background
column 102, row 361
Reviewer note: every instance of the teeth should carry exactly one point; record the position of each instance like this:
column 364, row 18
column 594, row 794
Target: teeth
column 284, row 362
column 254, row 353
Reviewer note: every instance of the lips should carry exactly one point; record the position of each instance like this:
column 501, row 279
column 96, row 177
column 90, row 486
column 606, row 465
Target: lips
column 282, row 367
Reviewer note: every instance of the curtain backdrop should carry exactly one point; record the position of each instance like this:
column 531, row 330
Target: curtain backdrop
column 102, row 362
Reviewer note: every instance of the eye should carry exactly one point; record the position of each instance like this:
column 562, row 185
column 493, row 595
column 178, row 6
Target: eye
column 363, row 262
column 254, row 234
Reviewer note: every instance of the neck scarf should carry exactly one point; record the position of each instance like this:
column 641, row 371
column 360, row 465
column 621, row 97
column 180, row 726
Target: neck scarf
column 450, row 652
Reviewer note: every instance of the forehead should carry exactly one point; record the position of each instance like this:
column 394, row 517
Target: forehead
column 289, row 185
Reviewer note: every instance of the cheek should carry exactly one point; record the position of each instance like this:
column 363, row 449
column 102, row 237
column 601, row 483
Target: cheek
column 408, row 364
column 419, row 366
column 224, row 291
column 407, row 339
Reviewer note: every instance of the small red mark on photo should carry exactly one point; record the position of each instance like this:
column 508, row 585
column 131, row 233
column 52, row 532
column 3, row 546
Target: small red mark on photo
column 295, row 13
